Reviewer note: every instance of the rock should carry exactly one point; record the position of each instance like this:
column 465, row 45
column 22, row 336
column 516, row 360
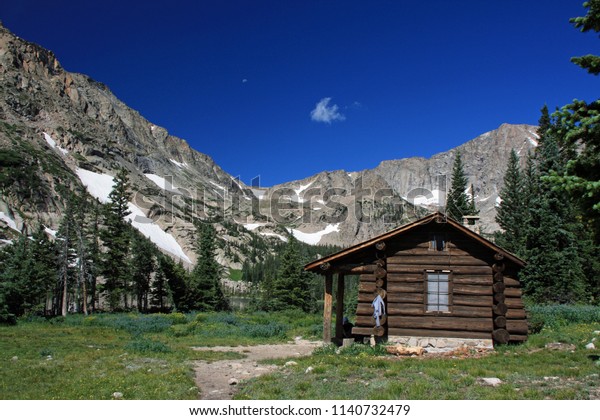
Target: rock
column 290, row 363
column 489, row 381
column 401, row 350
column 309, row 369
column 347, row 342
column 232, row 381
column 560, row 346
column 117, row 395
column 590, row 346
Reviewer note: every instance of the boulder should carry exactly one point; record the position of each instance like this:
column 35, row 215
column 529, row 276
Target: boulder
column 489, row 381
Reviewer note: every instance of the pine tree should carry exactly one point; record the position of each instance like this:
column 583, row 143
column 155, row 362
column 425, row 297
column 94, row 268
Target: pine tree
column 95, row 255
column 204, row 288
column 291, row 288
column 174, row 285
column 472, row 207
column 458, row 204
column 15, row 262
column 578, row 131
column 67, row 257
column 554, row 271
column 142, row 265
column 116, row 241
column 27, row 274
column 511, row 212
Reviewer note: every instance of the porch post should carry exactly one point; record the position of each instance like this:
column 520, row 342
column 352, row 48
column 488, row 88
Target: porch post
column 339, row 308
column 327, row 308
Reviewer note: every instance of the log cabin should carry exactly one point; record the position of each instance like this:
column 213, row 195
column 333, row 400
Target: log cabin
column 436, row 278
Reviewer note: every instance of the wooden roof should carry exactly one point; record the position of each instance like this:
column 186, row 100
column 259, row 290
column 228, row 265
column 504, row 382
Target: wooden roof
column 405, row 229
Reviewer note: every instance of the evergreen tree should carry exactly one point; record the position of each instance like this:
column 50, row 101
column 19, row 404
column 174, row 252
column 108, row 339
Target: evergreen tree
column 458, row 204
column 511, row 212
column 116, row 241
column 204, row 288
column 291, row 288
column 27, row 273
column 159, row 290
column 15, row 262
column 578, row 131
column 170, row 284
column 142, row 266
column 94, row 253
column 472, row 207
column 554, row 271
column 67, row 257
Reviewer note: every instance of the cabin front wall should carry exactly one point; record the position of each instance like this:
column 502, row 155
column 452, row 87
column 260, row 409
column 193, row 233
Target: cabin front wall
column 479, row 304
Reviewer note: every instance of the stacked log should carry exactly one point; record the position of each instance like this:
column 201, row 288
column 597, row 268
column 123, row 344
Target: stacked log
column 500, row 333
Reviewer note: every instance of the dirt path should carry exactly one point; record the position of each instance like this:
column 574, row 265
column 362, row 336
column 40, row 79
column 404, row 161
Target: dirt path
column 214, row 379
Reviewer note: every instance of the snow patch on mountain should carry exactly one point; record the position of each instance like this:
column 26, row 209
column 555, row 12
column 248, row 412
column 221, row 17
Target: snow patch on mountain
column 100, row 186
column 180, row 165
column 252, row 226
column 315, row 237
column 10, row 222
column 152, row 231
column 50, row 232
column 162, row 183
column 52, row 144
column 281, row 237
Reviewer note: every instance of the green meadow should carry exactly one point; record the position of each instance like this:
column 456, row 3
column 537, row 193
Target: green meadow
column 152, row 357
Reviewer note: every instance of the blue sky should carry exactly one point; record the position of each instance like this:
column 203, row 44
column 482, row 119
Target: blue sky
column 241, row 80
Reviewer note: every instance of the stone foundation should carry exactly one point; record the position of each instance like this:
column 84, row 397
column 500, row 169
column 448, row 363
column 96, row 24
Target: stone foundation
column 441, row 344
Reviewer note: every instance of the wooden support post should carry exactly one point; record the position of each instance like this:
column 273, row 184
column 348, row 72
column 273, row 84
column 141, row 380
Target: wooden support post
column 327, row 308
column 339, row 308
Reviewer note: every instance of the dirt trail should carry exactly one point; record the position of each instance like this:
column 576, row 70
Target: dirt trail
column 213, row 378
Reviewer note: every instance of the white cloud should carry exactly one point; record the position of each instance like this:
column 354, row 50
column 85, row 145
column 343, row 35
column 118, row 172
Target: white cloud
column 326, row 113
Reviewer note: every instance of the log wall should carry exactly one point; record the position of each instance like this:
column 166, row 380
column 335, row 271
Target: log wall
column 481, row 301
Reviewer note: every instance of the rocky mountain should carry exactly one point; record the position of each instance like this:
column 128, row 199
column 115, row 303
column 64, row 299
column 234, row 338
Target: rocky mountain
column 62, row 131
column 419, row 181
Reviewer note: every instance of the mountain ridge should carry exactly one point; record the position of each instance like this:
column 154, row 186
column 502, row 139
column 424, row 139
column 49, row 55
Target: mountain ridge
column 62, row 123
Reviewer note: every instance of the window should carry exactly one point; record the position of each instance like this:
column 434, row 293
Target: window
column 437, row 242
column 438, row 291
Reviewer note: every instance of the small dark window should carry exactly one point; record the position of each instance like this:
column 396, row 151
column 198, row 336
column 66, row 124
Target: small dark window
column 438, row 242
column 438, row 291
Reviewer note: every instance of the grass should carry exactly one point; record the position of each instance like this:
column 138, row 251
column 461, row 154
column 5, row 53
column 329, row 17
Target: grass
column 140, row 356
column 152, row 357
column 528, row 371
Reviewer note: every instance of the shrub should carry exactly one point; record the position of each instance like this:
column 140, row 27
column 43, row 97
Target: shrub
column 177, row 318
column 144, row 345
column 226, row 318
column 552, row 316
column 183, row 330
column 264, row 330
column 132, row 323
